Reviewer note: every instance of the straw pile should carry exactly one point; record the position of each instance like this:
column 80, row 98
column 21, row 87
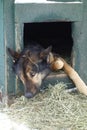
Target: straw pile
column 54, row 109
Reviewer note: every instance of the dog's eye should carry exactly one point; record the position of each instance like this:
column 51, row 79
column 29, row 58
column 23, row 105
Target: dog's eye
column 32, row 73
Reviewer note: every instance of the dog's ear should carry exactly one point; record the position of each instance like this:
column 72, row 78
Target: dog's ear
column 15, row 55
column 45, row 52
column 50, row 58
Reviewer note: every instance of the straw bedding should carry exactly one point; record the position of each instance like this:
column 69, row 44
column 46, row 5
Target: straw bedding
column 52, row 109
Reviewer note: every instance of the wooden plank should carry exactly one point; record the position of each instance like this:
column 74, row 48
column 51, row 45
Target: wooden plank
column 19, row 46
column 79, row 30
column 40, row 12
column 2, row 50
column 1, row 29
column 9, row 41
column 2, row 74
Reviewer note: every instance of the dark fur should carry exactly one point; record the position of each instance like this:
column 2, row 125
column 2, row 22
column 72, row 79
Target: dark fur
column 30, row 65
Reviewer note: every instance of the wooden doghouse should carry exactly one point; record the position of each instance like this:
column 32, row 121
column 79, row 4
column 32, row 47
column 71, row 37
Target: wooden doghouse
column 61, row 23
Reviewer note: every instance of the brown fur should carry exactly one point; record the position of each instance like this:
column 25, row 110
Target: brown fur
column 31, row 66
column 73, row 75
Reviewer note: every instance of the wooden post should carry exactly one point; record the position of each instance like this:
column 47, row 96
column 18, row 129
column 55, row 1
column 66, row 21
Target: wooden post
column 2, row 50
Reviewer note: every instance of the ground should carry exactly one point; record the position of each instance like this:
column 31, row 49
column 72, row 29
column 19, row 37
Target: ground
column 52, row 109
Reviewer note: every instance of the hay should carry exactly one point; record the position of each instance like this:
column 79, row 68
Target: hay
column 54, row 109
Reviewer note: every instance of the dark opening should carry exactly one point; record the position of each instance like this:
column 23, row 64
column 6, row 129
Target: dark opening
column 57, row 34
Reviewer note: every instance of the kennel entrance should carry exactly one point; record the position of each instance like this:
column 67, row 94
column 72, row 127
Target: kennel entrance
column 49, row 22
column 17, row 12
column 56, row 34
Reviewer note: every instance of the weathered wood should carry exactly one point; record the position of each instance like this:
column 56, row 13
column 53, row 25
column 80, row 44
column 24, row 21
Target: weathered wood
column 79, row 33
column 40, row 12
column 19, row 46
column 9, row 41
column 2, row 50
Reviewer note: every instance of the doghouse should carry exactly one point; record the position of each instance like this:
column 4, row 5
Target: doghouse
column 60, row 23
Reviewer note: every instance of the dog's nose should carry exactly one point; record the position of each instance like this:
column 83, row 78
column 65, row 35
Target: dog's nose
column 28, row 95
